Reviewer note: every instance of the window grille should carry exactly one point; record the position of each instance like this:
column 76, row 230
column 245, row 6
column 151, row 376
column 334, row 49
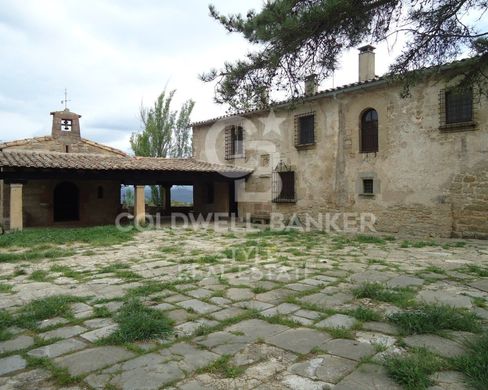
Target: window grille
column 283, row 186
column 305, row 129
column 369, row 132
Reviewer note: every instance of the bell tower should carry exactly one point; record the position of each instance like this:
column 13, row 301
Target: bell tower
column 66, row 124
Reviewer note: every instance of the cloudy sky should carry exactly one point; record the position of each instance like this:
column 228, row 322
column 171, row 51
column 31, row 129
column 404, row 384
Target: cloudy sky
column 112, row 55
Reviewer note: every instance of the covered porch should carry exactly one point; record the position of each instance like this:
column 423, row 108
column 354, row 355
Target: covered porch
column 51, row 189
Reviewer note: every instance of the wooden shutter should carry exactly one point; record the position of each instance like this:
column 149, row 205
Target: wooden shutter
column 228, row 143
column 369, row 132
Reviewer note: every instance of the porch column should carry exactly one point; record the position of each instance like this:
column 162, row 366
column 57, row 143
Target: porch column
column 167, row 199
column 16, row 207
column 139, row 204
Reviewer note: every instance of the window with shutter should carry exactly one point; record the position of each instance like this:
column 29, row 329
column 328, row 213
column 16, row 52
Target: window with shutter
column 305, row 130
column 234, row 142
column 369, row 132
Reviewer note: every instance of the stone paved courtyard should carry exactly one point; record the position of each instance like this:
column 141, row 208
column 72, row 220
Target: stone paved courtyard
column 249, row 310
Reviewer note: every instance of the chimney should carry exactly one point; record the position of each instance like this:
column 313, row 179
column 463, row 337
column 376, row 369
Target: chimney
column 366, row 63
column 311, row 86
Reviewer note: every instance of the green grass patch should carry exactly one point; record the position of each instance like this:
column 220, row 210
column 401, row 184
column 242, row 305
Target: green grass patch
column 35, row 254
column 101, row 312
column 209, row 259
column 95, row 236
column 412, row 371
column 5, row 288
column 476, row 269
column 223, row 367
column 474, row 364
column 149, row 288
column 364, row 314
column 122, row 271
column 6, row 320
column 68, row 272
column 417, row 244
column 138, row 323
column 365, row 239
column 401, row 297
column 435, row 318
column 42, row 309
column 40, row 276
column 435, row 270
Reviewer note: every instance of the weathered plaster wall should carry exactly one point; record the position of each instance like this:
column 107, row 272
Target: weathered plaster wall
column 429, row 182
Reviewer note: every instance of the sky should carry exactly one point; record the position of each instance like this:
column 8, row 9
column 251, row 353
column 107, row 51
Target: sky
column 113, row 56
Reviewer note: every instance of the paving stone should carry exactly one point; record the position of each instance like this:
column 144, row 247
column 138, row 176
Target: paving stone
column 225, row 314
column 481, row 284
column 327, row 368
column 11, row 364
column 295, row 382
column 275, row 296
column 27, row 380
column 301, row 320
column 16, row 344
column 368, row 377
column 312, row 315
column 300, row 286
column 63, row 333
column 179, row 315
column 381, row 327
column 284, row 308
column 239, row 294
column 52, row 322
column 193, row 358
column 403, row 281
column 93, row 359
column 337, row 321
column 57, row 349
column 254, row 353
column 326, row 301
column 254, row 305
column 199, row 293
column 225, row 343
column 372, row 277
column 300, row 340
column 375, row 339
column 313, row 282
column 220, row 301
column 176, row 298
column 439, row 345
column 112, row 307
column 99, row 333
column 257, row 328
column 98, row 323
column 198, row 306
column 164, row 307
column 449, row 380
column 189, row 328
column 349, row 349
column 444, row 298
column 148, row 378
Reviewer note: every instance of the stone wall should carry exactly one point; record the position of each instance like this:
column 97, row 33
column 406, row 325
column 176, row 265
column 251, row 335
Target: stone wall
column 417, row 170
column 221, row 198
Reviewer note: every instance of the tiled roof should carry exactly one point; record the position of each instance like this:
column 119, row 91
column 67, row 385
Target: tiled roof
column 377, row 80
column 101, row 162
column 26, row 141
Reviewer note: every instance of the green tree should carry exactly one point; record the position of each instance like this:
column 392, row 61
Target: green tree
column 298, row 38
column 165, row 133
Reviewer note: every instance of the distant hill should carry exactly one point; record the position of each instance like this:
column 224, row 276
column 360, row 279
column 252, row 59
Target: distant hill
column 178, row 193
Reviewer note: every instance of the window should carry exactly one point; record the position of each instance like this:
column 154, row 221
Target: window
column 305, row 130
column 234, row 142
column 100, row 192
column 283, row 184
column 456, row 106
column 368, row 186
column 210, row 193
column 66, row 124
column 369, row 132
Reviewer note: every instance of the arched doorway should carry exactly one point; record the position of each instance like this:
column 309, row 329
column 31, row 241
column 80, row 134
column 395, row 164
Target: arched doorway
column 66, row 202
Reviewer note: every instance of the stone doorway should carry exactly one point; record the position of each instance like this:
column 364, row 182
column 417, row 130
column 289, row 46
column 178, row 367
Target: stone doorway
column 66, row 202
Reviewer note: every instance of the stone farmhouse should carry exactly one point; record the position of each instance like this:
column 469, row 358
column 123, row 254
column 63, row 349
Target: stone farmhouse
column 419, row 164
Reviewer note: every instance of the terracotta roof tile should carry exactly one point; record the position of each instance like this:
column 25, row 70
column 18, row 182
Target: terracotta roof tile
column 101, row 162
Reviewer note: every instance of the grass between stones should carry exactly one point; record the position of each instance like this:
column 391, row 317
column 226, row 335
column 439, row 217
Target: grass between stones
column 42, row 309
column 222, row 366
column 35, row 254
column 5, row 288
column 412, row 370
column 401, row 297
column 6, row 320
column 138, row 323
column 365, row 314
column 95, row 236
column 435, row 318
column 474, row 364
column 40, row 276
column 68, row 272
column 60, row 375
